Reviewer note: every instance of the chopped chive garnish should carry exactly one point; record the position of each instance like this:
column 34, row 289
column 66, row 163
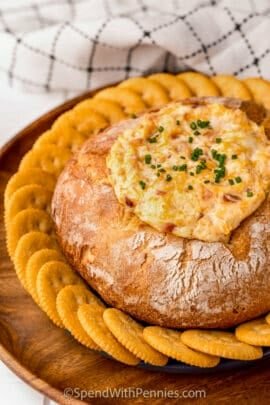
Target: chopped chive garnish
column 177, row 122
column 238, row 179
column 193, row 125
column 158, row 174
column 147, row 159
column 162, row 170
column 231, row 181
column 203, row 124
column 175, row 167
column 196, row 153
column 190, row 187
column 197, row 133
column 153, row 166
column 152, row 140
column 218, row 140
column 219, row 174
column 182, row 168
column 168, row 177
column 142, row 184
column 249, row 194
column 190, row 139
column 160, row 129
column 201, row 166
column 206, row 181
column 191, row 173
column 159, row 165
column 234, row 157
column 214, row 153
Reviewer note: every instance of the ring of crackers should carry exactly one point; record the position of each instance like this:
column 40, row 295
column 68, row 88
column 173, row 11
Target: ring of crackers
column 56, row 287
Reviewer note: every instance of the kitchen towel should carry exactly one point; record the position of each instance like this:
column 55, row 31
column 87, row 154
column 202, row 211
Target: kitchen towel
column 74, row 45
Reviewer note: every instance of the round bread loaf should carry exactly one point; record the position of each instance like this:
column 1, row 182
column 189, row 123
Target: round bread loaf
column 157, row 277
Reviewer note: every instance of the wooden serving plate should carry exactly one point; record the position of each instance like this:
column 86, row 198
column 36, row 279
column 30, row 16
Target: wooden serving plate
column 50, row 360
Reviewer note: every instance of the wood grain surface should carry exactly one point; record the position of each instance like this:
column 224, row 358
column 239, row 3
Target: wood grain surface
column 50, row 360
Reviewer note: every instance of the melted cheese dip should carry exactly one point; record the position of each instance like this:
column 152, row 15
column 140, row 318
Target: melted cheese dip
column 193, row 172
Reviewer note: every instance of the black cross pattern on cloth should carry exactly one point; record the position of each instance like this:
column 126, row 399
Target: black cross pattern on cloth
column 75, row 45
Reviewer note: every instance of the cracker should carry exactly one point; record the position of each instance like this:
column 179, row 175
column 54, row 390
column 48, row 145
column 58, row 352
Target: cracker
column 68, row 302
column 26, row 247
column 68, row 139
column 176, row 88
column 260, row 90
column 199, row 84
column 169, row 343
column 82, row 121
column 218, row 343
column 130, row 334
column 91, row 319
column 34, row 264
column 230, row 86
column 131, row 102
column 48, row 158
column 255, row 332
column 26, row 177
column 112, row 111
column 26, row 221
column 32, row 196
column 152, row 92
column 52, row 277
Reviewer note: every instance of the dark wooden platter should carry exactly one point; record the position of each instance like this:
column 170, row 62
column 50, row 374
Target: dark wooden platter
column 50, row 360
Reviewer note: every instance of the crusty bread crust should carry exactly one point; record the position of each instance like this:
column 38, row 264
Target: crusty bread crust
column 156, row 277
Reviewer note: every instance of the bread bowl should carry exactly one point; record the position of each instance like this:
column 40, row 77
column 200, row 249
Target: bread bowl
column 156, row 276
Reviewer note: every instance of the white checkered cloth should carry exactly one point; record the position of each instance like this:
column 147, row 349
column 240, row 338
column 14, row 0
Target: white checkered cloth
column 74, row 45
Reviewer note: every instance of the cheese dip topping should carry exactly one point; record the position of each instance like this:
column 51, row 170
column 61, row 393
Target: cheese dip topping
column 193, row 172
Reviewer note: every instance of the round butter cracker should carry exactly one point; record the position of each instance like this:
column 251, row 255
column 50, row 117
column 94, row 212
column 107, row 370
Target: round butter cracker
column 260, row 90
column 91, row 319
column 230, row 86
column 49, row 158
column 68, row 301
column 219, row 343
column 176, row 88
column 152, row 92
column 27, row 221
column 31, row 196
column 84, row 122
column 68, row 139
column 199, row 84
column 26, row 177
column 112, row 111
column 127, row 98
column 51, row 278
column 26, row 247
column 34, row 264
column 168, row 342
column 130, row 334
column 255, row 332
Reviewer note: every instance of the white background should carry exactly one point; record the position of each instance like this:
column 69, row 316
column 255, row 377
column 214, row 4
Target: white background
column 16, row 111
